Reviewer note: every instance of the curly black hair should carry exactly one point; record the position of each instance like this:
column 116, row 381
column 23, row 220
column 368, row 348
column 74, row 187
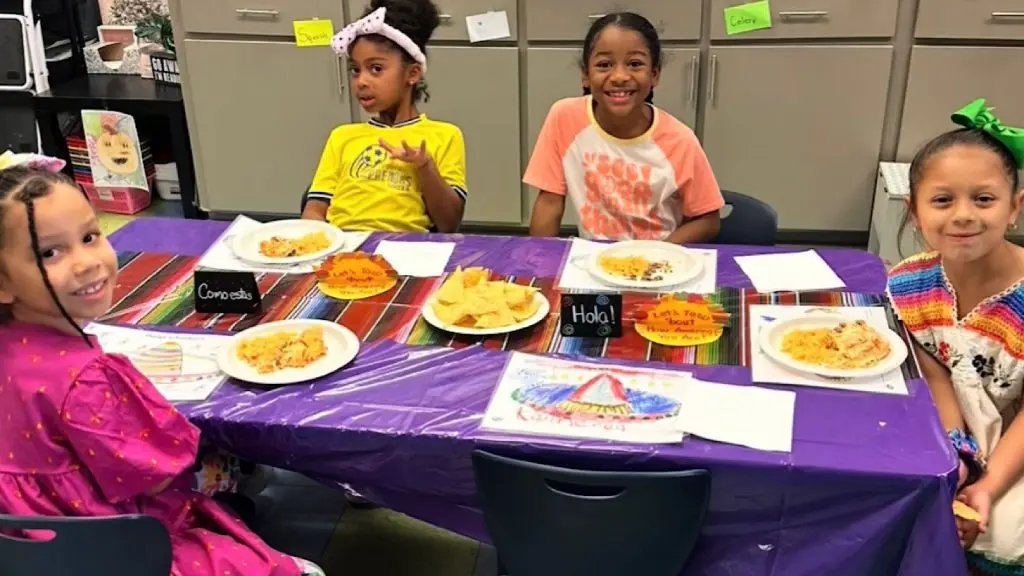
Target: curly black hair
column 417, row 19
column 629, row 21
column 26, row 185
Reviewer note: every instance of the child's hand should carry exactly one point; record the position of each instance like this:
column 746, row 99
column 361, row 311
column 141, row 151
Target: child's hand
column 967, row 531
column 418, row 157
column 980, row 499
column 962, row 475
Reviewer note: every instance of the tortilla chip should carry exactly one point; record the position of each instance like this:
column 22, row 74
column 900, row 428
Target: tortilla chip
column 475, row 276
column 501, row 317
column 527, row 310
column 518, row 295
column 961, row 510
column 453, row 290
column 449, row 313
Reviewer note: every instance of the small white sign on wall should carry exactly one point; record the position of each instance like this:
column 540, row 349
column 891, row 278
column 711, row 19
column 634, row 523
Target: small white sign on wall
column 488, row 26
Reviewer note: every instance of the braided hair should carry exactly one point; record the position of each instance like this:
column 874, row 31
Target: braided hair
column 26, row 185
column 417, row 19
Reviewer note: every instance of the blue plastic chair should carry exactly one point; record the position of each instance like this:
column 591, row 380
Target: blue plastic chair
column 105, row 546
column 751, row 221
column 549, row 521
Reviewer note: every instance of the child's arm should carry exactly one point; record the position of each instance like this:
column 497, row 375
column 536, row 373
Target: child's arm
column 940, row 384
column 315, row 210
column 129, row 437
column 548, row 210
column 1006, row 463
column 700, row 229
column 442, row 179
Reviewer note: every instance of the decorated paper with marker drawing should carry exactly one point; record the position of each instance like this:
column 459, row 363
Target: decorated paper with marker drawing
column 551, row 397
column 183, row 367
column 115, row 156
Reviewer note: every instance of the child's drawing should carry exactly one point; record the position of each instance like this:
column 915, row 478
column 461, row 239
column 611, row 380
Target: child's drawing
column 183, row 367
column 115, row 156
column 581, row 400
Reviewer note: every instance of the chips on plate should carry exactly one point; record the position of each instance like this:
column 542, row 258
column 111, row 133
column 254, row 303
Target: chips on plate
column 469, row 298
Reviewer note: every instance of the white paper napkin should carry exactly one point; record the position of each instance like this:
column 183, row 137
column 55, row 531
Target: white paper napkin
column 746, row 415
column 789, row 271
column 576, row 277
column 423, row 259
column 221, row 256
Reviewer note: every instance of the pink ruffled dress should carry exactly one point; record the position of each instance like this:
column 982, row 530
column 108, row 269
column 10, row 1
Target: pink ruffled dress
column 83, row 433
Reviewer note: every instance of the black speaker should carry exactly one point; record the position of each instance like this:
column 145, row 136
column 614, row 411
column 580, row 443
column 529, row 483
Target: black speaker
column 12, row 54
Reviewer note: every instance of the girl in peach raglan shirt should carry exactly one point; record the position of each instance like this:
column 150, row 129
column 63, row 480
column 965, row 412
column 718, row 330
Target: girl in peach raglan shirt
column 83, row 432
column 631, row 170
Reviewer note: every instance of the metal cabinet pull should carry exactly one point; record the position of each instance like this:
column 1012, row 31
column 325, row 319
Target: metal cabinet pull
column 1008, row 15
column 271, row 14
column 712, row 78
column 445, row 18
column 341, row 79
column 794, row 14
column 596, row 16
column 691, row 94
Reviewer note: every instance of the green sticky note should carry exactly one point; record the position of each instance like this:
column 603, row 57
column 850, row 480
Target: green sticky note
column 748, row 17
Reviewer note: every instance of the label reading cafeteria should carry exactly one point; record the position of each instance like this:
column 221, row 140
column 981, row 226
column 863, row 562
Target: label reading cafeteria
column 591, row 316
column 226, row 292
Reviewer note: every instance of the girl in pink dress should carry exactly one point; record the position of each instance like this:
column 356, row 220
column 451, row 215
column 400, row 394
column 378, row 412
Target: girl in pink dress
column 83, row 433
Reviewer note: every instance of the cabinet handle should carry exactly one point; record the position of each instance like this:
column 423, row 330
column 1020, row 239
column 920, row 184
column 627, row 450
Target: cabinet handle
column 445, row 18
column 593, row 17
column 243, row 12
column 341, row 79
column 1007, row 15
column 792, row 14
column 712, row 77
column 691, row 94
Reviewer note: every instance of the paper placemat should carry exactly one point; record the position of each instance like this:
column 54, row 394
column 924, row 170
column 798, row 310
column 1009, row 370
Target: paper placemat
column 763, row 369
column 220, row 256
column 420, row 259
column 789, row 272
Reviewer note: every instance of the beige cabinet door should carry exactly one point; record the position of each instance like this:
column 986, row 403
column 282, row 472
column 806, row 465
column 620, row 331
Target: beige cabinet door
column 263, row 17
column 981, row 19
column 554, row 73
column 258, row 137
column 815, row 19
column 800, row 128
column 487, row 111
column 452, row 14
column 991, row 72
column 570, row 20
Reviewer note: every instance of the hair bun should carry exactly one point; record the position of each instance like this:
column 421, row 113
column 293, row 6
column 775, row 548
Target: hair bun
column 417, row 19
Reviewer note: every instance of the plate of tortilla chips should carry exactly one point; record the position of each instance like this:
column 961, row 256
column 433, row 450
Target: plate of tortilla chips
column 470, row 303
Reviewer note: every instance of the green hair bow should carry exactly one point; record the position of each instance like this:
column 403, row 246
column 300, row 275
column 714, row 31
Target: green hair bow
column 976, row 115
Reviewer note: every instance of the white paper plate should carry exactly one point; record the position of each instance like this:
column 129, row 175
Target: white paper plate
column 246, row 246
column 540, row 314
column 342, row 346
column 685, row 265
column 771, row 343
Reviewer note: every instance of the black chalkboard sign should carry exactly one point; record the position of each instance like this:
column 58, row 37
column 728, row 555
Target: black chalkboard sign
column 591, row 316
column 218, row 292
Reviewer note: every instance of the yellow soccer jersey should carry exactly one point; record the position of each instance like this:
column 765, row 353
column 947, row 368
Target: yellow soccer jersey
column 369, row 190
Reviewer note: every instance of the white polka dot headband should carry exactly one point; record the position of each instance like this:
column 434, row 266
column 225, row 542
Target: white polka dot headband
column 374, row 23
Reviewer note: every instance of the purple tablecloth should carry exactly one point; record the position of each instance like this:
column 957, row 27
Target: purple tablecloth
column 865, row 491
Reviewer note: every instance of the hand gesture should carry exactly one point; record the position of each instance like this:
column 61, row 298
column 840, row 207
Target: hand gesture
column 418, row 157
column 981, row 501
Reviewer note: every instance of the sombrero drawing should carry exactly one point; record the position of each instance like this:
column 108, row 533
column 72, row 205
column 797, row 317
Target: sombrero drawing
column 603, row 397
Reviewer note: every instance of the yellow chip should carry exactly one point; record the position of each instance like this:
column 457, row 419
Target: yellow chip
column 527, row 310
column 449, row 313
column 501, row 317
column 453, row 290
column 475, row 276
column 961, row 510
column 518, row 295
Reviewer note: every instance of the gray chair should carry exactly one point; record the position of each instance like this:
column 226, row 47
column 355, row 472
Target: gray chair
column 750, row 221
column 550, row 521
column 103, row 546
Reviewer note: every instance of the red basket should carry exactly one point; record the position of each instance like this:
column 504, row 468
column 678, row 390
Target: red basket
column 117, row 200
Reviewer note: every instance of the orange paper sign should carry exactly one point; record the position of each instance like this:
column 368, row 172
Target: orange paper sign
column 675, row 321
column 354, row 276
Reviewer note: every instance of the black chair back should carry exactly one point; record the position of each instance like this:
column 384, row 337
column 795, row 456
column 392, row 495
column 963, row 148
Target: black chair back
column 550, row 521
column 104, row 546
column 750, row 221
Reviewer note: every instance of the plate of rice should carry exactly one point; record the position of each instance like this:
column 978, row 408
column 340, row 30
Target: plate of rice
column 833, row 347
column 288, row 242
column 288, row 352
column 647, row 264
